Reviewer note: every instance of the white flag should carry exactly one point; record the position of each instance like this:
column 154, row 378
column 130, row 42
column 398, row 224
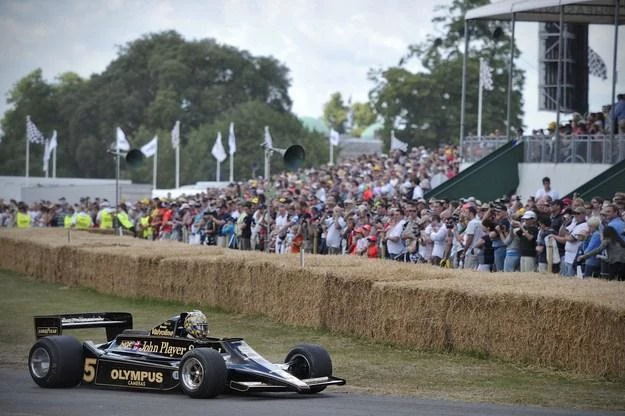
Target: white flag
column 53, row 142
column 149, row 149
column 50, row 145
column 46, row 155
column 32, row 132
column 486, row 76
column 218, row 151
column 175, row 135
column 334, row 137
column 268, row 142
column 121, row 143
column 397, row 144
column 232, row 145
column 596, row 65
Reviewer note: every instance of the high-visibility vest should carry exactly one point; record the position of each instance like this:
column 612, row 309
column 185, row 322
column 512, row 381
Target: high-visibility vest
column 23, row 220
column 83, row 220
column 145, row 225
column 124, row 220
column 106, row 220
column 67, row 221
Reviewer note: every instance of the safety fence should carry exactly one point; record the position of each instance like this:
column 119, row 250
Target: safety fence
column 549, row 149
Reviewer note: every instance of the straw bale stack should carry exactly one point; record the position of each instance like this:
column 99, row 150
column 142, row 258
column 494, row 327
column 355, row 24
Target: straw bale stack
column 532, row 318
column 539, row 319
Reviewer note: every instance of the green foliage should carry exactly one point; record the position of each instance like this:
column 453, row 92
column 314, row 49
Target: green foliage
column 424, row 107
column 335, row 113
column 154, row 81
column 364, row 116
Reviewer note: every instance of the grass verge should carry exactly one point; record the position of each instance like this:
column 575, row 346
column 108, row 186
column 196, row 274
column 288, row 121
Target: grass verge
column 368, row 367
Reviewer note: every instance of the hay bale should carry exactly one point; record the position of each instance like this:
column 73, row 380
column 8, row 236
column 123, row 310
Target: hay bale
column 530, row 318
column 540, row 319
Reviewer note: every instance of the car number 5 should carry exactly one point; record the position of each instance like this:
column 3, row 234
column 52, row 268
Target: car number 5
column 89, row 374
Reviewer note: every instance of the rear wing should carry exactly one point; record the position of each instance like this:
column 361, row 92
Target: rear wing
column 114, row 322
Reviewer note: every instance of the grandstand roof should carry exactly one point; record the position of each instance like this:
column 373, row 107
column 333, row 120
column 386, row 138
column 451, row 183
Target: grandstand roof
column 575, row 11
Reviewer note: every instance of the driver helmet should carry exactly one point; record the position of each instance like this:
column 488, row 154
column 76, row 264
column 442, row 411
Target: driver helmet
column 196, row 324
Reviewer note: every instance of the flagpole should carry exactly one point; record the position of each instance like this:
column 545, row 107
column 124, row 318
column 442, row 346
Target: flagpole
column 267, row 158
column 178, row 166
column 231, row 168
column 218, row 171
column 479, row 103
column 46, row 166
column 154, row 166
column 27, row 157
column 54, row 163
column 331, row 154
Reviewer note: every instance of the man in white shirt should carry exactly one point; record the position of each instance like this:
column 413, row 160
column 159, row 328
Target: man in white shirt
column 394, row 244
column 335, row 225
column 576, row 233
column 546, row 190
column 472, row 235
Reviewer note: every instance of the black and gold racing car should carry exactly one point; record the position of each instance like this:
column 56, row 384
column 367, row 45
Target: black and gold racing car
column 165, row 358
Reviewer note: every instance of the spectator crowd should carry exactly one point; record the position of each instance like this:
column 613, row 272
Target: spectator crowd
column 372, row 206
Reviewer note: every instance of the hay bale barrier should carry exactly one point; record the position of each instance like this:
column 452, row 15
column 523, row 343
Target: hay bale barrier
column 529, row 318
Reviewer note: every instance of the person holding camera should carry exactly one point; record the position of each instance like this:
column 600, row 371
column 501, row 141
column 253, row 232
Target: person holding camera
column 575, row 232
column 527, row 233
column 335, row 223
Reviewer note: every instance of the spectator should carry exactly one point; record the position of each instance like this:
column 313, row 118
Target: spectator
column 546, row 190
column 544, row 231
column 615, row 246
column 473, row 233
column 527, row 233
column 592, row 265
column 575, row 233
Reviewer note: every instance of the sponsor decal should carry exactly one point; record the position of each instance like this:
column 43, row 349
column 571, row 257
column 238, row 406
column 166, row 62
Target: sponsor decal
column 163, row 332
column 78, row 320
column 47, row 330
column 162, row 348
column 149, row 377
column 136, row 378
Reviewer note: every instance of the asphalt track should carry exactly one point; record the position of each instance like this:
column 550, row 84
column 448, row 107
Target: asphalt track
column 20, row 396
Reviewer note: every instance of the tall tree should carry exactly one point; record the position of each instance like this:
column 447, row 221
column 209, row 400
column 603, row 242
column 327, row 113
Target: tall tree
column 424, row 107
column 335, row 113
column 154, row 81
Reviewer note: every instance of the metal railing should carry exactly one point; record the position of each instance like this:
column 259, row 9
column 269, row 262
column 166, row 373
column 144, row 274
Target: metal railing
column 545, row 149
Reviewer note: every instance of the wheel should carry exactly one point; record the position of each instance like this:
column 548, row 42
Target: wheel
column 203, row 373
column 56, row 361
column 309, row 361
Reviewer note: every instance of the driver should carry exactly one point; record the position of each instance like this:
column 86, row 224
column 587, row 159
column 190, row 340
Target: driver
column 196, row 325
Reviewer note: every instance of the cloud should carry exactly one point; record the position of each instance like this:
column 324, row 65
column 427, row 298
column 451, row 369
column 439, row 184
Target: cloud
column 328, row 45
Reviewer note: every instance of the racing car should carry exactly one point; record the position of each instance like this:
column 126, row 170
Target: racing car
column 176, row 354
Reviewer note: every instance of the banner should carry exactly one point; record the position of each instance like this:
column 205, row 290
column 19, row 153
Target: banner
column 397, row 144
column 175, row 135
column 335, row 138
column 121, row 142
column 232, row 145
column 33, row 133
column 268, row 142
column 218, row 151
column 149, row 149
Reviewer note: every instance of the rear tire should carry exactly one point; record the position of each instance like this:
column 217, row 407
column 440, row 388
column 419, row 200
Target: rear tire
column 56, row 361
column 203, row 373
column 309, row 361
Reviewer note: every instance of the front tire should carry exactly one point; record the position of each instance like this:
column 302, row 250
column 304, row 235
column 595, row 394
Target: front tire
column 56, row 361
column 203, row 373
column 309, row 361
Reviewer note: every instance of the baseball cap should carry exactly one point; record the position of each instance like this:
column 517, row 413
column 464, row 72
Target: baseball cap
column 529, row 215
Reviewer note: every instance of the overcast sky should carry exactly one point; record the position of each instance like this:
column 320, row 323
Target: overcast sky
column 328, row 45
